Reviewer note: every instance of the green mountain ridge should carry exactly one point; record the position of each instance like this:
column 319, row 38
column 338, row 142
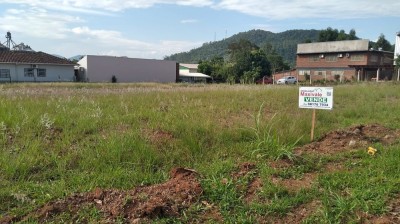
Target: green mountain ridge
column 284, row 43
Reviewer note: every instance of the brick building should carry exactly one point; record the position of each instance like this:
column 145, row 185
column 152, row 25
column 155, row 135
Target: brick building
column 343, row 60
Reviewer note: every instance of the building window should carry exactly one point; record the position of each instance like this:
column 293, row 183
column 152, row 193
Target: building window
column 304, row 72
column 337, row 75
column 357, row 57
column 373, row 58
column 29, row 72
column 320, row 73
column 4, row 73
column 340, row 73
column 41, row 72
column 313, row 58
column 331, row 58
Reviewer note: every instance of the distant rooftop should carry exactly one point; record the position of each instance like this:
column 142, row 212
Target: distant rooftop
column 31, row 57
column 190, row 66
column 333, row 46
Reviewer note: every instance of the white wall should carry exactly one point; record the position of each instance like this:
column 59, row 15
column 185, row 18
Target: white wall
column 397, row 48
column 54, row 73
column 102, row 68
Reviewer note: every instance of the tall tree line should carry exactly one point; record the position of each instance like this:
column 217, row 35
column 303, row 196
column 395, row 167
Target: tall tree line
column 330, row 34
column 246, row 63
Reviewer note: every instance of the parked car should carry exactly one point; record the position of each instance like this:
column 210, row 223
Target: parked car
column 265, row 80
column 287, row 80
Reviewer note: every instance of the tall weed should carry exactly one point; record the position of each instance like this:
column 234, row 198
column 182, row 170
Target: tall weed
column 267, row 142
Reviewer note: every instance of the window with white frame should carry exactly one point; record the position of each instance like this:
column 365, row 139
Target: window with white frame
column 29, row 72
column 41, row 72
column 4, row 73
column 320, row 73
column 304, row 72
column 340, row 73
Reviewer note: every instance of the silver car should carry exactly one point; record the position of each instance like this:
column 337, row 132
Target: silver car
column 287, row 80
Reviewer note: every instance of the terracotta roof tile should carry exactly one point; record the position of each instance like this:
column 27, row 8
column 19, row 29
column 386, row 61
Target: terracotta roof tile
column 31, row 57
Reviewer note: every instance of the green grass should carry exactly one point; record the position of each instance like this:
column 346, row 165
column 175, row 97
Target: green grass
column 59, row 139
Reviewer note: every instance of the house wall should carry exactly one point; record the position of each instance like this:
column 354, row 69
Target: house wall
column 102, row 68
column 54, row 73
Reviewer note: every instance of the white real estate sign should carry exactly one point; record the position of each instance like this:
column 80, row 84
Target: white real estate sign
column 316, row 98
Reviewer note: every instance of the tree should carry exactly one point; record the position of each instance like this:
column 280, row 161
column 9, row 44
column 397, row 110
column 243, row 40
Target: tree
column 205, row 67
column 352, row 35
column 328, row 35
column 275, row 60
column 342, row 35
column 334, row 35
column 383, row 43
column 237, row 48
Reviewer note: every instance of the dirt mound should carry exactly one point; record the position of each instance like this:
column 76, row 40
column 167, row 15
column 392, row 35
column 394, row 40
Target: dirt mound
column 353, row 137
column 138, row 205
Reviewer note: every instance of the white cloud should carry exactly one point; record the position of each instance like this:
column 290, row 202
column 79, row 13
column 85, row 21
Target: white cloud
column 42, row 24
column 272, row 9
column 103, row 6
column 189, row 21
column 46, row 26
column 338, row 9
column 114, row 43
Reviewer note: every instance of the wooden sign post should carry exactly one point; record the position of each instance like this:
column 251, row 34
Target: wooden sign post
column 315, row 98
column 313, row 125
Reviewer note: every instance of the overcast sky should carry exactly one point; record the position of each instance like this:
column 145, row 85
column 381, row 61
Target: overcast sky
column 156, row 28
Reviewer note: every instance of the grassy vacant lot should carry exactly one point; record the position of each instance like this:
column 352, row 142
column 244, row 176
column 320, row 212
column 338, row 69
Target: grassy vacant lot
column 61, row 139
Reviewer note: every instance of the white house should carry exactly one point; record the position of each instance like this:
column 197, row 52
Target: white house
column 188, row 73
column 397, row 53
column 30, row 66
column 103, row 68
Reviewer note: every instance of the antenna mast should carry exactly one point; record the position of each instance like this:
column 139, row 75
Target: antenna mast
column 9, row 40
column 11, row 45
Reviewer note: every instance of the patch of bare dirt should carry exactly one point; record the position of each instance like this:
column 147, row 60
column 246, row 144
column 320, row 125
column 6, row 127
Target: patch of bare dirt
column 296, row 215
column 254, row 184
column 294, row 185
column 158, row 137
column 334, row 167
column 209, row 214
column 244, row 169
column 281, row 164
column 138, row 205
column 351, row 138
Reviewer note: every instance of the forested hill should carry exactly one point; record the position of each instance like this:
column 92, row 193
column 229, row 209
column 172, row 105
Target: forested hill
column 285, row 44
